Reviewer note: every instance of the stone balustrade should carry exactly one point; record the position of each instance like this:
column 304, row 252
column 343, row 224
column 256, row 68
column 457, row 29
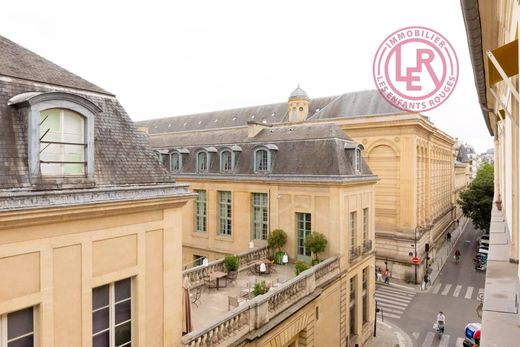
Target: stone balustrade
column 236, row 324
column 196, row 274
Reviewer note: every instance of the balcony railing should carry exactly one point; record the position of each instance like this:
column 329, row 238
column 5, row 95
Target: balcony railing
column 196, row 274
column 355, row 253
column 367, row 246
column 233, row 326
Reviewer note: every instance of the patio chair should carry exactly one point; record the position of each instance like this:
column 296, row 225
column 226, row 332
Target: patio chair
column 209, row 282
column 195, row 296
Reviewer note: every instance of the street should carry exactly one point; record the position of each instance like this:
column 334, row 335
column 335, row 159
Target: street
column 454, row 292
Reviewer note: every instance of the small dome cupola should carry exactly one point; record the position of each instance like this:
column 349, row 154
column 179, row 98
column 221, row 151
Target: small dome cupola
column 298, row 105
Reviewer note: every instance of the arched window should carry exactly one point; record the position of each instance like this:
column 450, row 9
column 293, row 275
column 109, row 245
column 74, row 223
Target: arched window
column 226, row 161
column 262, row 160
column 175, row 162
column 358, row 160
column 202, row 161
column 62, row 142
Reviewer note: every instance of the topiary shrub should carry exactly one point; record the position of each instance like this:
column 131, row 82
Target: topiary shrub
column 316, row 242
column 301, row 266
column 260, row 288
column 276, row 241
column 231, row 263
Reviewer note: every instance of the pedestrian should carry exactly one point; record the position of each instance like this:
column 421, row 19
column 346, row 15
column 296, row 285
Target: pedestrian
column 386, row 276
column 426, row 280
column 378, row 274
column 448, row 237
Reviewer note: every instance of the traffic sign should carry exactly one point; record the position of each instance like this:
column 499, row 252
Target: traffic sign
column 415, row 260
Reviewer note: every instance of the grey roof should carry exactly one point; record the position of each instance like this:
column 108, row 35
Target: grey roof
column 298, row 93
column 354, row 104
column 17, row 61
column 122, row 153
column 302, row 150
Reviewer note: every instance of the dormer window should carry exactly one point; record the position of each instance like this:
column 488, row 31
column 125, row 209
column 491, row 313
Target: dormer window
column 175, row 162
column 202, row 162
column 60, row 136
column 262, row 160
column 226, row 161
column 358, row 160
column 62, row 143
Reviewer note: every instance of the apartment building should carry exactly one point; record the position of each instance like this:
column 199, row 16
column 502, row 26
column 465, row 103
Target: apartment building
column 90, row 223
column 492, row 31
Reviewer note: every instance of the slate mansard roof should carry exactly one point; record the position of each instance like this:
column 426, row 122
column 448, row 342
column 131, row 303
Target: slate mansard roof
column 349, row 105
column 317, row 151
column 122, row 153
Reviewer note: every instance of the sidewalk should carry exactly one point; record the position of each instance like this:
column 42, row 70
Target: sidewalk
column 389, row 335
column 444, row 252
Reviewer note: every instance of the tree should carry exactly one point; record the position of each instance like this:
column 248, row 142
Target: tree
column 277, row 239
column 477, row 200
column 316, row 243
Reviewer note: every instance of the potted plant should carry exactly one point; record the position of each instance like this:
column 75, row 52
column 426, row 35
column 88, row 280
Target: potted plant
column 316, row 243
column 260, row 288
column 499, row 203
column 276, row 241
column 231, row 263
column 300, row 266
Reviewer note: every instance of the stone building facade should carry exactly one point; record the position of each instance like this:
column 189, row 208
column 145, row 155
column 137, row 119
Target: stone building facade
column 90, row 223
column 313, row 178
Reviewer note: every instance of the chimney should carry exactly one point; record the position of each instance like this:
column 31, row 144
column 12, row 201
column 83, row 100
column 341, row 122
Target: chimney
column 253, row 128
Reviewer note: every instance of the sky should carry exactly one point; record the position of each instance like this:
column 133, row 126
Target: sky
column 170, row 58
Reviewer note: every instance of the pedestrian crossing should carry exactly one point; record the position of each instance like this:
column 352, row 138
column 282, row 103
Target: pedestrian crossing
column 393, row 301
column 457, row 291
column 431, row 339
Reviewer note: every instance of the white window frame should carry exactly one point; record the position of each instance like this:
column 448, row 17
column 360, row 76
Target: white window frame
column 112, row 315
column 223, row 169
column 3, row 328
column 257, row 164
column 353, row 229
column 228, row 219
column 357, row 159
column 206, row 164
column 202, row 216
column 179, row 161
column 263, row 224
column 365, row 223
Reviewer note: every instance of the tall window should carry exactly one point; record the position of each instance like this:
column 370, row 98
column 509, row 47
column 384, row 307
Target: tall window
column 262, row 160
column 259, row 216
column 226, row 161
column 353, row 229
column 197, row 260
column 202, row 162
column 352, row 306
column 303, row 228
column 224, row 213
column 200, row 211
column 62, row 143
column 112, row 314
column 365, row 224
column 175, row 162
column 364, row 293
column 17, row 328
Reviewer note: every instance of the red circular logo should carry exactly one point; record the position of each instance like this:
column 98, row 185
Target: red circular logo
column 415, row 69
column 415, row 260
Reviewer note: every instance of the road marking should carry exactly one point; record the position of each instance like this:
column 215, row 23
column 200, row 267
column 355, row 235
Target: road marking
column 383, row 323
column 446, row 289
column 400, row 338
column 457, row 290
column 394, row 290
column 391, row 315
column 390, row 302
column 437, row 288
column 387, row 296
column 391, row 309
column 460, row 342
column 469, row 292
column 399, row 295
column 445, row 339
column 429, row 339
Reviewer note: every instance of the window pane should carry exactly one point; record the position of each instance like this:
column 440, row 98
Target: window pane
column 122, row 289
column 123, row 311
column 19, row 323
column 100, row 320
column 101, row 340
column 123, row 333
column 99, row 297
column 27, row 341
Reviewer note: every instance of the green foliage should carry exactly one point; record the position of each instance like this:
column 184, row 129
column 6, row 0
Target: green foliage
column 316, row 243
column 477, row 201
column 260, row 288
column 231, row 262
column 301, row 266
column 277, row 239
